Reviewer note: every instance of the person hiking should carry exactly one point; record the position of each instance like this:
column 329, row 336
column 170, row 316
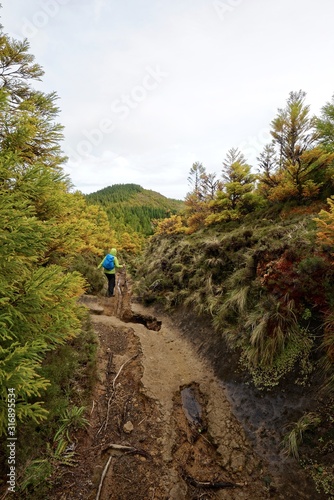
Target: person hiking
column 110, row 264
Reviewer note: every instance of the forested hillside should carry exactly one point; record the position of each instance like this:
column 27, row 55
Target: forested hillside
column 133, row 210
column 253, row 254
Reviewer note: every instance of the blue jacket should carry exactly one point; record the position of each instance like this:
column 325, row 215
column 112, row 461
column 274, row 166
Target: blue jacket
column 113, row 252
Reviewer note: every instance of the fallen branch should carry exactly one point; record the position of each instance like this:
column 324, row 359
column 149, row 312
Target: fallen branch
column 120, row 447
column 121, row 368
column 105, row 423
column 105, row 470
column 145, row 418
column 108, row 410
column 127, row 449
column 210, row 484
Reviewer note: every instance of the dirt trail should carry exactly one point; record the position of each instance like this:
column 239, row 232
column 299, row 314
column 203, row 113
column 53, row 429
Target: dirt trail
column 170, row 362
column 216, row 451
column 172, row 448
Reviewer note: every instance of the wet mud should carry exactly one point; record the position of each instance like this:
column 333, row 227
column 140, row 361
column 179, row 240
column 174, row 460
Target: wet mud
column 266, row 416
column 192, row 407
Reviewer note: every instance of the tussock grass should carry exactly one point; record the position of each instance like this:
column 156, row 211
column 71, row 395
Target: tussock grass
column 256, row 280
column 271, row 325
column 295, row 437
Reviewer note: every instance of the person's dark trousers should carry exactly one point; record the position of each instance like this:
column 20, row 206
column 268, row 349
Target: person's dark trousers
column 111, row 283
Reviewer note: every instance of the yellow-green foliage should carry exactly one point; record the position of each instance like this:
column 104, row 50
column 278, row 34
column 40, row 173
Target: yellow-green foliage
column 325, row 225
column 43, row 227
column 172, row 225
column 38, row 308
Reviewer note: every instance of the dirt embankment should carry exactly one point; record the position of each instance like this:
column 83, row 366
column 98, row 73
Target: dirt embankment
column 161, row 424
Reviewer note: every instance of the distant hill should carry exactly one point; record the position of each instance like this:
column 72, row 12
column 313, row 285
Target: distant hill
column 132, row 208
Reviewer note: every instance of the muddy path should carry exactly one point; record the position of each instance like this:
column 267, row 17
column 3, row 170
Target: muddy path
column 161, row 424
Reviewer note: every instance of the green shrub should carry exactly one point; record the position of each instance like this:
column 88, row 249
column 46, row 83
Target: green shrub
column 71, row 370
column 86, row 265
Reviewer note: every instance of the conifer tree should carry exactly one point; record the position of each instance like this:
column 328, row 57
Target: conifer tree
column 195, row 176
column 42, row 227
column 302, row 170
column 293, row 130
column 28, row 125
column 325, row 126
column 196, row 204
column 210, row 185
column 236, row 196
column 267, row 166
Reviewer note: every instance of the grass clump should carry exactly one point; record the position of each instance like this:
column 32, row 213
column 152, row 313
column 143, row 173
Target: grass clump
column 311, row 441
column 295, row 437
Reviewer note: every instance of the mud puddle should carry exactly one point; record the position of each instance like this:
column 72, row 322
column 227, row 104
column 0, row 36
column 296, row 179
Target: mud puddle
column 192, row 407
column 266, row 418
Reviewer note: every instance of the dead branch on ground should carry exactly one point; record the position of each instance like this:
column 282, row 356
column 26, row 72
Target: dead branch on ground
column 128, row 450
column 214, row 485
column 105, row 470
column 121, row 368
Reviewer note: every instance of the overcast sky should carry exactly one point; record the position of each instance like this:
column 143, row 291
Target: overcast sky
column 148, row 87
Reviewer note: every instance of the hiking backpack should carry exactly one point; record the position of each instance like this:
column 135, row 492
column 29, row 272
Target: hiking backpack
column 108, row 262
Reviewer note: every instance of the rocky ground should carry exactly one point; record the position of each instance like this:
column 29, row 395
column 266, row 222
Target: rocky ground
column 161, row 426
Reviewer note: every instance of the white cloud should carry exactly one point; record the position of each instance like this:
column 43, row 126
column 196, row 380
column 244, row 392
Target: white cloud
column 99, row 6
column 228, row 66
